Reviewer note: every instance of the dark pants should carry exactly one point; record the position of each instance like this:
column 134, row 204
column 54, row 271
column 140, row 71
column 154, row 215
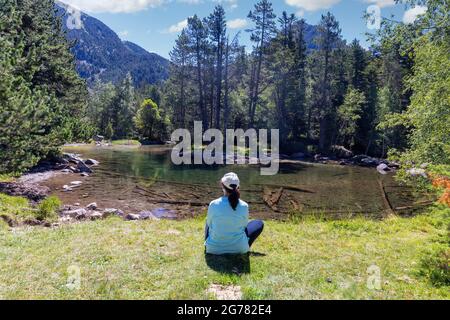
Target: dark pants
column 253, row 231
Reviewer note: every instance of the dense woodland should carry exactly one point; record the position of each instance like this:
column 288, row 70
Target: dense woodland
column 392, row 99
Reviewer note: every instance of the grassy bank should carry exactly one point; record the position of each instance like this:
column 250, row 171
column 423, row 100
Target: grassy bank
column 307, row 259
column 133, row 143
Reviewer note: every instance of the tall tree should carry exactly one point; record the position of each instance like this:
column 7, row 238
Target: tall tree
column 299, row 104
column 329, row 34
column 198, row 37
column 217, row 31
column 180, row 56
column 261, row 34
column 125, row 109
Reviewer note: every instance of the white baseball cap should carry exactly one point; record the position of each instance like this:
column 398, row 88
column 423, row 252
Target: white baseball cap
column 231, row 179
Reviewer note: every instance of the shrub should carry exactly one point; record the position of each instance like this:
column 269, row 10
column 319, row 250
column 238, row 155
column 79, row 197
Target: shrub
column 436, row 267
column 47, row 209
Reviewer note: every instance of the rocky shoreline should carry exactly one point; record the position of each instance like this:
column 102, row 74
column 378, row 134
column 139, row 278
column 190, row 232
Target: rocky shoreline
column 30, row 186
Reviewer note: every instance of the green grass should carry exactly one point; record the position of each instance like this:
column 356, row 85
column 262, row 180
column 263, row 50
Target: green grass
column 307, row 259
column 19, row 209
column 126, row 143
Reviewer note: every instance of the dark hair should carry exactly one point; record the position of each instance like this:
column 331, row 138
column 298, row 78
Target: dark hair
column 233, row 196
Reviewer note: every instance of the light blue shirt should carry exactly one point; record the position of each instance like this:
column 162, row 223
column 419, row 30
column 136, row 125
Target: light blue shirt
column 227, row 228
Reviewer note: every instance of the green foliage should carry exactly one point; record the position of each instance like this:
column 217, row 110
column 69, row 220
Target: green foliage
column 109, row 131
column 349, row 113
column 150, row 123
column 48, row 209
column 428, row 115
column 42, row 96
column 435, row 266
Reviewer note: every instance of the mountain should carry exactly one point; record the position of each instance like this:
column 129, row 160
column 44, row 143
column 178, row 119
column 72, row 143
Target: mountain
column 101, row 54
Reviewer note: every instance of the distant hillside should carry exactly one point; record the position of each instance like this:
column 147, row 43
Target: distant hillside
column 101, row 54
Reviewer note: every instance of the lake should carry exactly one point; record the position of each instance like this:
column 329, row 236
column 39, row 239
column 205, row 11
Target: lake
column 144, row 179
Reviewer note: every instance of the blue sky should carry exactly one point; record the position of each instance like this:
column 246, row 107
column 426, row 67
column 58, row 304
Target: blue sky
column 155, row 24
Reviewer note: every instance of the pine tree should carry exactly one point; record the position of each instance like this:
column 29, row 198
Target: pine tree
column 329, row 34
column 29, row 115
column 217, row 27
column 125, row 109
column 261, row 34
column 180, row 57
column 198, row 43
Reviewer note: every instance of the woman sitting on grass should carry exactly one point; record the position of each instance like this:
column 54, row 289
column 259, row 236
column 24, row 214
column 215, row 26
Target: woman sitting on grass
column 228, row 230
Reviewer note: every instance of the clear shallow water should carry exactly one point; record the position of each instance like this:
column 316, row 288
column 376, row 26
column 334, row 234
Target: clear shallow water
column 145, row 179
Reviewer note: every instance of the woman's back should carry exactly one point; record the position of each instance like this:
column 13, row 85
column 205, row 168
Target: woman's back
column 227, row 227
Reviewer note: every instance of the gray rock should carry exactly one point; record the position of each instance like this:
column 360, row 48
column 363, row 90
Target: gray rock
column 92, row 206
column 383, row 168
column 83, row 168
column 96, row 215
column 133, row 217
column 84, row 174
column 76, row 214
column 92, row 162
column 113, row 212
column 76, row 183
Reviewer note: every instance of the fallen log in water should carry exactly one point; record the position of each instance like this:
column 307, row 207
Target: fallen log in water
column 387, row 203
column 272, row 198
column 288, row 187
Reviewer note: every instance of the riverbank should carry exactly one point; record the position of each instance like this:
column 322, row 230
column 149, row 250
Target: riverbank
column 304, row 259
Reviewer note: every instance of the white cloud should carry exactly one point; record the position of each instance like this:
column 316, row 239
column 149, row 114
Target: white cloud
column 381, row 3
column 177, row 27
column 113, row 6
column 312, row 5
column 237, row 23
column 411, row 15
column 190, row 1
column 233, row 4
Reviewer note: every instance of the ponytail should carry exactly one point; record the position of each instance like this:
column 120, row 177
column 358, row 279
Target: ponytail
column 233, row 196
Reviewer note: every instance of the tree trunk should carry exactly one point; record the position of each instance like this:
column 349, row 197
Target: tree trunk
column 226, row 102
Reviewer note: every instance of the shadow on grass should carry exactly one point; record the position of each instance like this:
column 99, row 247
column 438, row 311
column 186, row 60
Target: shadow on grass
column 231, row 263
